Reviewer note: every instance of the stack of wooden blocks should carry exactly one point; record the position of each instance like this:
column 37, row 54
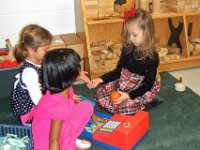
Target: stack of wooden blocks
column 98, row 8
column 182, row 5
column 105, row 53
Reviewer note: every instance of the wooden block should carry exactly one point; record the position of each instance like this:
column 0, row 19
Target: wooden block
column 111, row 61
column 172, row 50
column 97, row 48
column 103, row 56
column 115, row 50
column 100, row 63
column 172, row 57
column 109, row 55
column 73, row 41
column 96, row 57
column 196, row 52
column 99, row 43
column 163, row 52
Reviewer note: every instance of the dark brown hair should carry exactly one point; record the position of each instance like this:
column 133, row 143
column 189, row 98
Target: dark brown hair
column 31, row 36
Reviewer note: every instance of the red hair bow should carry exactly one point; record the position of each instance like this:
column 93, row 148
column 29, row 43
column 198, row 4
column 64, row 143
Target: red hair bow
column 129, row 13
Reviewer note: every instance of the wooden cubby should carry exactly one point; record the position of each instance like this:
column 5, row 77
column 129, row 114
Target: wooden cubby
column 110, row 28
column 163, row 32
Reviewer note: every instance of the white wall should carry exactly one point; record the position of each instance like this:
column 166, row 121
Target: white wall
column 55, row 15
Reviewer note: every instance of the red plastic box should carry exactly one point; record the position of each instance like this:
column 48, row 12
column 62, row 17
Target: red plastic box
column 127, row 134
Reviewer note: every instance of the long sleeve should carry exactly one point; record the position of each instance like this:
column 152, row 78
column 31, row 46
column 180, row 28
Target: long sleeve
column 31, row 79
column 149, row 78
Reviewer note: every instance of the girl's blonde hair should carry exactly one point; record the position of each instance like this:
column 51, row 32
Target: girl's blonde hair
column 144, row 20
column 31, row 36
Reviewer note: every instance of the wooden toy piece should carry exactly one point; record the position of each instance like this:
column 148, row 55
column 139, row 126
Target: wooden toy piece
column 118, row 9
column 109, row 55
column 100, row 63
column 116, row 48
column 172, row 57
column 163, row 52
column 180, row 86
column 110, row 62
column 122, row 131
column 194, row 46
column 175, row 33
column 196, row 52
column 156, row 6
column 174, row 50
column 144, row 4
column 137, row 3
column 114, row 95
column 129, row 4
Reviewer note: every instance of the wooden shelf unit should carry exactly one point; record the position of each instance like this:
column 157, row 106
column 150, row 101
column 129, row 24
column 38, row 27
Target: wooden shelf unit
column 110, row 28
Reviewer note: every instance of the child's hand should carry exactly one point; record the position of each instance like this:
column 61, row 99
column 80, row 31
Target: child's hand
column 77, row 99
column 84, row 77
column 97, row 119
column 122, row 98
column 94, row 83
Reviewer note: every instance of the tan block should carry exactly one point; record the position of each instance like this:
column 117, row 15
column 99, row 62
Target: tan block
column 73, row 41
column 111, row 61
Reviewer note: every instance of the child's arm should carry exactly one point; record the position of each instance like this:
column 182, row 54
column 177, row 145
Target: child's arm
column 31, row 79
column 84, row 77
column 55, row 129
column 94, row 83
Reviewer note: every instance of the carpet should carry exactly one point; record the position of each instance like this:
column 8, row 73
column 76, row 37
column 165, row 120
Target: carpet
column 174, row 124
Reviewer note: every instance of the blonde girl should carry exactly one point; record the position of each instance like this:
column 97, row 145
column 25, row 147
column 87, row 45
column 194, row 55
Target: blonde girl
column 135, row 74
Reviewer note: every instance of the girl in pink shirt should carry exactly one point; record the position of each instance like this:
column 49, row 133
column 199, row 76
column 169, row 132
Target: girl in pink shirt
column 58, row 120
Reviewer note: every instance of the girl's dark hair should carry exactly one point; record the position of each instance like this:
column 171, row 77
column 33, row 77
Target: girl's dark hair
column 144, row 20
column 31, row 36
column 60, row 68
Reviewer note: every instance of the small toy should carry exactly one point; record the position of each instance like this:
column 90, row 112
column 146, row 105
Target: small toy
column 180, row 86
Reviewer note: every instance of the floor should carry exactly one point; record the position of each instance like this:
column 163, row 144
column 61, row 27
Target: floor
column 190, row 77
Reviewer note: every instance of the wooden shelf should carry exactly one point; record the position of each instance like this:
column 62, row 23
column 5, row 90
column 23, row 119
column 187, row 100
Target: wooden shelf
column 110, row 28
column 166, row 15
column 106, row 20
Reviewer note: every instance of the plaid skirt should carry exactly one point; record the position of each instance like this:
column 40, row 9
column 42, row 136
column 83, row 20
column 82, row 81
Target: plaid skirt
column 126, row 83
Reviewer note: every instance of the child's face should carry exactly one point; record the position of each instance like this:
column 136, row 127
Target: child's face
column 39, row 53
column 136, row 34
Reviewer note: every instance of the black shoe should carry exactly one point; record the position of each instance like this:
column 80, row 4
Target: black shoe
column 155, row 102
